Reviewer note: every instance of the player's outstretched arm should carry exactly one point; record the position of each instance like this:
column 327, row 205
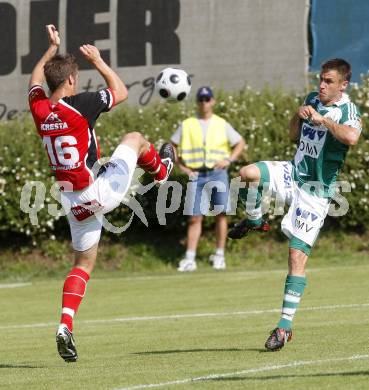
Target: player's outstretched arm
column 113, row 81
column 38, row 76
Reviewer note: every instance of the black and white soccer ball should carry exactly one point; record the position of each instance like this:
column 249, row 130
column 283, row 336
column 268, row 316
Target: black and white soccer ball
column 173, row 85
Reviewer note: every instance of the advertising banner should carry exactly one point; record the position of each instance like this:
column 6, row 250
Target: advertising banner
column 225, row 44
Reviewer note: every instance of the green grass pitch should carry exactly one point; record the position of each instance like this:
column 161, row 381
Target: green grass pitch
column 204, row 330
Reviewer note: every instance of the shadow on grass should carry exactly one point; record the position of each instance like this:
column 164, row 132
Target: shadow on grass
column 18, row 366
column 283, row 377
column 161, row 243
column 194, row 350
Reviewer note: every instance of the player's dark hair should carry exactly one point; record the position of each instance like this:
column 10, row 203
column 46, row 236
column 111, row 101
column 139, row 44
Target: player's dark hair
column 58, row 69
column 340, row 65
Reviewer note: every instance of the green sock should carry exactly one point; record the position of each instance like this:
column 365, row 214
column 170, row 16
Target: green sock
column 252, row 195
column 254, row 222
column 251, row 198
column 293, row 290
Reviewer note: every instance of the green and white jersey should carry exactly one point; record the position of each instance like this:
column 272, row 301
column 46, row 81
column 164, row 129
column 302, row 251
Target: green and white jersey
column 319, row 156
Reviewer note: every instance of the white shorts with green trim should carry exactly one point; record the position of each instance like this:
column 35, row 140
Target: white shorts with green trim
column 306, row 212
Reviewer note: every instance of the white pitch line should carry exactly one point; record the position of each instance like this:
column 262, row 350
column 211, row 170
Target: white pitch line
column 210, row 377
column 14, row 285
column 203, row 273
column 189, row 315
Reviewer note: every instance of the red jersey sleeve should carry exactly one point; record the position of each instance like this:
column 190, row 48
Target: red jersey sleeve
column 35, row 94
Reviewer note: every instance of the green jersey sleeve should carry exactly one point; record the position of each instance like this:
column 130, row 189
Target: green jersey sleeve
column 351, row 116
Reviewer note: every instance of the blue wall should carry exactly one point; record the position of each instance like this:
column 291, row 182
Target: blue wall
column 340, row 28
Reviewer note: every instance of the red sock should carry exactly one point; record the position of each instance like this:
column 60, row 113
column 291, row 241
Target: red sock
column 73, row 291
column 150, row 161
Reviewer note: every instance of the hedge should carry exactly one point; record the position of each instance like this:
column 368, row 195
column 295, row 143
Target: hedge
column 261, row 117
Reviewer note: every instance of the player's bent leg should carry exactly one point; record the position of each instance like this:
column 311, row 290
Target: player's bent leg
column 115, row 177
column 167, row 156
column 250, row 173
column 136, row 141
column 157, row 164
column 256, row 176
column 294, row 287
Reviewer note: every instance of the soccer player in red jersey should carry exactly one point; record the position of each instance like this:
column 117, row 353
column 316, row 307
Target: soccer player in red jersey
column 65, row 122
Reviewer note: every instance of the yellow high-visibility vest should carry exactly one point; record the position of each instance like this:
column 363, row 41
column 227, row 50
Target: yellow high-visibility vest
column 197, row 154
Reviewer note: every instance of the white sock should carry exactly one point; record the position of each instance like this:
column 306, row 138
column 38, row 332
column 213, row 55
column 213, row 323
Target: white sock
column 220, row 252
column 190, row 255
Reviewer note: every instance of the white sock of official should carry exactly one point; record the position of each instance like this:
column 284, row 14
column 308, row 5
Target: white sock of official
column 190, row 255
column 220, row 252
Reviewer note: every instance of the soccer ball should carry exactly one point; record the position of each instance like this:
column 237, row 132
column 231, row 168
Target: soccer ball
column 173, row 84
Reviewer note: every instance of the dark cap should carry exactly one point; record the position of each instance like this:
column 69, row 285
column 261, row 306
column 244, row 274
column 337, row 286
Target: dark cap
column 204, row 92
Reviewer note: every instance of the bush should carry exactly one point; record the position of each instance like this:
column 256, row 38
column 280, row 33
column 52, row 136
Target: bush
column 261, row 117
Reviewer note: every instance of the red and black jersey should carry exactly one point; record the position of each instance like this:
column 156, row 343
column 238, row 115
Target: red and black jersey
column 67, row 132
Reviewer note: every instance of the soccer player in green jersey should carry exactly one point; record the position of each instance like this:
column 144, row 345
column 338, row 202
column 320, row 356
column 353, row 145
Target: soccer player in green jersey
column 325, row 126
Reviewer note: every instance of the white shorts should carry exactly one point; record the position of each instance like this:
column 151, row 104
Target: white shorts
column 306, row 212
column 85, row 208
